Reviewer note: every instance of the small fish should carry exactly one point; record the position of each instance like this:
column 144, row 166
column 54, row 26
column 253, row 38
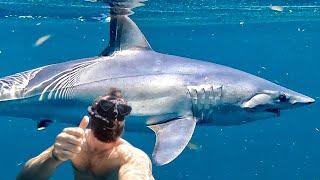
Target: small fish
column 194, row 146
column 42, row 40
column 276, row 8
column 317, row 129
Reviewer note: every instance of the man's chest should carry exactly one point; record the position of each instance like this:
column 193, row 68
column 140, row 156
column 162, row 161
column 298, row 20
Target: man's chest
column 98, row 164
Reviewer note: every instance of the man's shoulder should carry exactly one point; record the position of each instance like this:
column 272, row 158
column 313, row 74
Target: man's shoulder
column 129, row 152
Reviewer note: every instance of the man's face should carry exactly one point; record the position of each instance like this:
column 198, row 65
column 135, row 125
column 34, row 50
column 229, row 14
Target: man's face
column 107, row 132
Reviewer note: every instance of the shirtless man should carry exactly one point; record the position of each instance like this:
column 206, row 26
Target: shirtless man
column 99, row 153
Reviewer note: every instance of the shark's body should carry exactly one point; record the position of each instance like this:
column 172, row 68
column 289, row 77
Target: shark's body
column 169, row 94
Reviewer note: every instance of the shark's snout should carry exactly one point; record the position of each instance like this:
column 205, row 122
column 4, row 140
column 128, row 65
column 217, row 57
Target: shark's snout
column 301, row 100
column 276, row 101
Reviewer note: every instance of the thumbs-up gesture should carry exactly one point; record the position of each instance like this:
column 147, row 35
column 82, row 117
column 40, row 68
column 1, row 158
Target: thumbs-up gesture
column 69, row 142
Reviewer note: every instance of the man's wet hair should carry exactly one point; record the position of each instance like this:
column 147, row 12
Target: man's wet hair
column 107, row 116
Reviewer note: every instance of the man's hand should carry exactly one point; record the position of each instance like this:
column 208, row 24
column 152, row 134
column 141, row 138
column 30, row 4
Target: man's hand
column 69, row 142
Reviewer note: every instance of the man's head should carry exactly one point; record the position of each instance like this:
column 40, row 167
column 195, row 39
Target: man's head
column 107, row 116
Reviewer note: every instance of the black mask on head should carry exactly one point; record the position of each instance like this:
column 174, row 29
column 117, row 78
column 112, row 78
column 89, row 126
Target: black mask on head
column 113, row 109
column 107, row 114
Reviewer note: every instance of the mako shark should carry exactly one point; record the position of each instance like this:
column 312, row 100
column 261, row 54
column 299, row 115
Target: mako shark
column 168, row 94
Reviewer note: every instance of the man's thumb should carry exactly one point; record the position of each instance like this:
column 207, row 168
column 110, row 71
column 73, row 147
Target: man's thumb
column 84, row 123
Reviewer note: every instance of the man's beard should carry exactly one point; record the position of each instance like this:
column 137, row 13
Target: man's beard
column 106, row 132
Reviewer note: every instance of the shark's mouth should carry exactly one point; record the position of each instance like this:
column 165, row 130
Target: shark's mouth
column 276, row 111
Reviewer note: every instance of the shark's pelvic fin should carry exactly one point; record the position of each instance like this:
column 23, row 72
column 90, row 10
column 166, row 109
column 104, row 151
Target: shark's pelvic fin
column 171, row 138
column 43, row 124
column 124, row 35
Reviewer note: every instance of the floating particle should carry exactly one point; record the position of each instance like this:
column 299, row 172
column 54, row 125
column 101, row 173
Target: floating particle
column 317, row 129
column 38, row 24
column 241, row 23
column 81, row 18
column 287, row 74
column 193, row 146
column 276, row 8
column 102, row 18
column 263, row 68
column 93, row 1
column 290, row 10
column 42, row 40
column 0, row 51
column 25, row 17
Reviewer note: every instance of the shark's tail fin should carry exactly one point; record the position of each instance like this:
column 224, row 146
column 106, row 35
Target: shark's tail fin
column 13, row 87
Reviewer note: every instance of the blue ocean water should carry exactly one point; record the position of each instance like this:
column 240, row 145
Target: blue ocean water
column 279, row 46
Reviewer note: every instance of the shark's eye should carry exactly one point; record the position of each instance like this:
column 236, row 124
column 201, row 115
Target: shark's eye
column 283, row 98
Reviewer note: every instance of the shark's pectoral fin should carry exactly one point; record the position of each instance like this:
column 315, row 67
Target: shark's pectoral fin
column 171, row 138
column 43, row 124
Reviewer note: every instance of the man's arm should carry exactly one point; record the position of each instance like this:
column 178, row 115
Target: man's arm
column 40, row 167
column 67, row 145
column 138, row 167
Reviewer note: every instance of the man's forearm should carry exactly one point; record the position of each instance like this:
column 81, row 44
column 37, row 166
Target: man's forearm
column 40, row 167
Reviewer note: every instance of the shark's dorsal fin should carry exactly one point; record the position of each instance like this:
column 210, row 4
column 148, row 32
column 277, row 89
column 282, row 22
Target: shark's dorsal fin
column 124, row 35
